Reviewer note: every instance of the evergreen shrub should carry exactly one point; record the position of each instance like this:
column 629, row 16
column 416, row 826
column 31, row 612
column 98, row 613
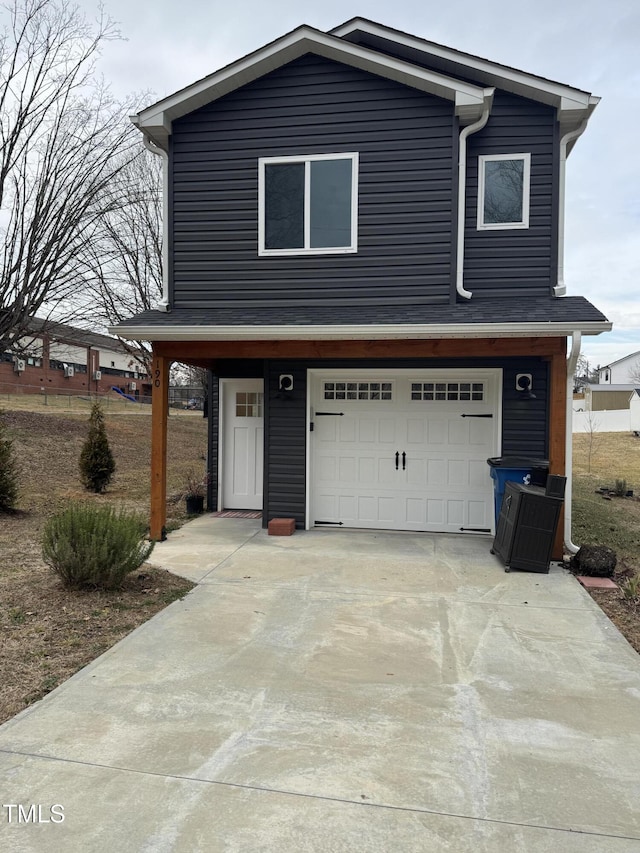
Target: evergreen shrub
column 8, row 472
column 96, row 459
column 94, row 546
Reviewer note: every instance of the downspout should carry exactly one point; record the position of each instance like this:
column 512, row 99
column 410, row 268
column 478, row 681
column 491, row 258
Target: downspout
column 462, row 188
column 163, row 305
column 572, row 360
column 560, row 289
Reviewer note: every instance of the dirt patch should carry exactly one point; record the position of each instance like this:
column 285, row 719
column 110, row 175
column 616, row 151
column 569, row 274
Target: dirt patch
column 624, row 614
column 50, row 632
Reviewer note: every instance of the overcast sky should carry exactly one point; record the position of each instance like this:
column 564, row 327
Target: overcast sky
column 591, row 44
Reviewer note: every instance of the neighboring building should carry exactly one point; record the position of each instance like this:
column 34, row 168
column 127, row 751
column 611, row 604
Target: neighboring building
column 58, row 358
column 606, row 398
column 366, row 240
column 622, row 371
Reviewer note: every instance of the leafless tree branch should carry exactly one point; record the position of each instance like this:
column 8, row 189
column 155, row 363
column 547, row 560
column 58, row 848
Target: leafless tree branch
column 63, row 141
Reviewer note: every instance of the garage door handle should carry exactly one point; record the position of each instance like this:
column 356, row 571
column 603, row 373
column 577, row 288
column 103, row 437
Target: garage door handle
column 397, row 459
column 404, row 460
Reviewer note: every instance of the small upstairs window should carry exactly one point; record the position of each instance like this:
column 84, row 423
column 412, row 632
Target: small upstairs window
column 307, row 205
column 503, row 191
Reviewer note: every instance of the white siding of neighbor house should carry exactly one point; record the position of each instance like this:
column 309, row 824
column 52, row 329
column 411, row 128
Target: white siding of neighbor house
column 29, row 346
column 67, row 353
column 618, row 373
column 119, row 361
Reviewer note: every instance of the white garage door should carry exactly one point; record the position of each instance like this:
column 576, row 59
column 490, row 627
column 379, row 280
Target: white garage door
column 404, row 452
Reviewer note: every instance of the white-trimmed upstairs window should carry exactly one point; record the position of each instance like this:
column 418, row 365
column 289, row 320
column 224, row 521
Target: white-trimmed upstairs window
column 503, row 191
column 308, row 205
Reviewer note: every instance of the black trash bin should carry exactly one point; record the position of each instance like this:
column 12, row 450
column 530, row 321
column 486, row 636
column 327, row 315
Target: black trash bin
column 515, row 469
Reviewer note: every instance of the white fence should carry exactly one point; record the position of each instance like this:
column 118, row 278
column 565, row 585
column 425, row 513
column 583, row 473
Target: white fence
column 616, row 420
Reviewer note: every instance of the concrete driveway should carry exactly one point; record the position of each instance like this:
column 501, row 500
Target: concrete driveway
column 339, row 691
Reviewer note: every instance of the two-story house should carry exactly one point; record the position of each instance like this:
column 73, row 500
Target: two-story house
column 364, row 235
column 624, row 371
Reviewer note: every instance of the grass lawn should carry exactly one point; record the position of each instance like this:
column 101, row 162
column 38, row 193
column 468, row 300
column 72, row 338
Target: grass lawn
column 49, row 632
column 615, row 522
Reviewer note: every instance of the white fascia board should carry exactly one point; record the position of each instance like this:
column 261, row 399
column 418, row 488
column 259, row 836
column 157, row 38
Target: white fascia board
column 415, row 331
column 156, row 119
column 510, row 79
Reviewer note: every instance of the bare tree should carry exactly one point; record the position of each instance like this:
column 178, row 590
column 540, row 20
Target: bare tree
column 594, row 437
column 584, row 374
column 62, row 141
column 124, row 260
column 634, row 373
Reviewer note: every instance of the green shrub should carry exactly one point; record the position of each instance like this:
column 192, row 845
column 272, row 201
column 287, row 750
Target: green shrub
column 8, row 472
column 96, row 460
column 631, row 589
column 94, row 546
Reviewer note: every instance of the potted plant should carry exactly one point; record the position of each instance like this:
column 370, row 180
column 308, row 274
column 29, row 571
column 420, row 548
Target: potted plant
column 194, row 492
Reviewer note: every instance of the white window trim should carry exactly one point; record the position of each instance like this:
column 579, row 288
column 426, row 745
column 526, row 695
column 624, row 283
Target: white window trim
column 526, row 186
column 307, row 159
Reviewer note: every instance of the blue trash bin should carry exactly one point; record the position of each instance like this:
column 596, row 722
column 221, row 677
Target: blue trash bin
column 515, row 469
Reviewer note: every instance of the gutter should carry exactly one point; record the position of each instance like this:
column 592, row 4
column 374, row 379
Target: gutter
column 462, row 188
column 572, row 360
column 561, row 288
column 389, row 331
column 164, row 304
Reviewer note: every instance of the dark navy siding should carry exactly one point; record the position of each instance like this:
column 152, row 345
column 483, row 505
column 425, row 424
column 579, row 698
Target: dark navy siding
column 515, row 261
column 405, row 140
column 524, row 422
column 285, row 460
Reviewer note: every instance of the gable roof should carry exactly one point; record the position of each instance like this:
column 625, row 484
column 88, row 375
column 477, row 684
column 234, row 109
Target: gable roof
column 155, row 121
column 456, row 62
column 388, row 53
column 620, row 360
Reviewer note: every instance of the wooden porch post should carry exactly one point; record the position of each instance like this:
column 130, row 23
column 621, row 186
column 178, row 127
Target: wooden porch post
column 557, row 430
column 159, row 415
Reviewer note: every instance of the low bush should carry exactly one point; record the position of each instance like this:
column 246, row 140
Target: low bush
column 94, row 546
column 631, row 590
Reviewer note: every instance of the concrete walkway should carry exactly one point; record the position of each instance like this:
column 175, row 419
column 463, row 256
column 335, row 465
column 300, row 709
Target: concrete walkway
column 340, row 691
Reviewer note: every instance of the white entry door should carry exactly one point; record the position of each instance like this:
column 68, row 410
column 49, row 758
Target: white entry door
column 242, row 443
column 405, row 451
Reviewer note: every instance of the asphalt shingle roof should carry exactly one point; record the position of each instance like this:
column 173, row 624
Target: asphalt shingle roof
column 567, row 309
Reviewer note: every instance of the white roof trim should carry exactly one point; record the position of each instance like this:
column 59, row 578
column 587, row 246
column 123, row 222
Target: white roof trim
column 155, row 121
column 565, row 98
column 356, row 332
